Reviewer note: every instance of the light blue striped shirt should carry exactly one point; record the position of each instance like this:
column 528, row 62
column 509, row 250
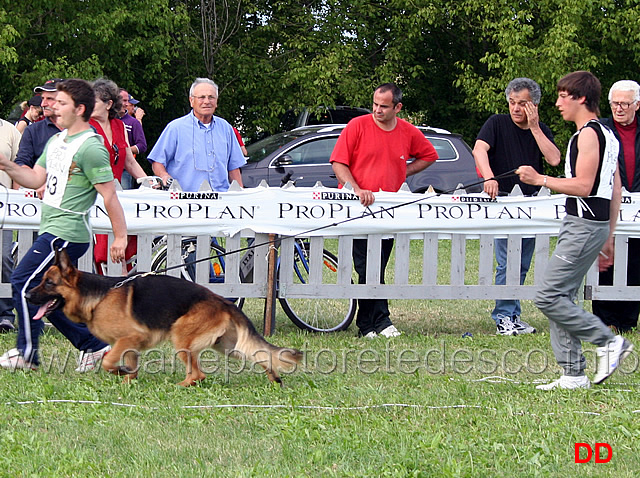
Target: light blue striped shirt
column 193, row 153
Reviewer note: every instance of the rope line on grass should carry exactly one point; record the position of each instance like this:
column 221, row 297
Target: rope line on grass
column 280, row 406
column 248, row 405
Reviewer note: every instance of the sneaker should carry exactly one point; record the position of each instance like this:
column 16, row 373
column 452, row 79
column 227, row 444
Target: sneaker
column 522, row 327
column 505, row 326
column 90, row 360
column 390, row 331
column 370, row 335
column 6, row 326
column 13, row 360
column 567, row 382
column 610, row 356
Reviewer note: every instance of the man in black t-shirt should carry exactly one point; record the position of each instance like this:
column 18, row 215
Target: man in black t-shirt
column 504, row 143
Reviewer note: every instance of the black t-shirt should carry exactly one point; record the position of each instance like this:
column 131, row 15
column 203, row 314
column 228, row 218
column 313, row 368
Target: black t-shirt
column 511, row 147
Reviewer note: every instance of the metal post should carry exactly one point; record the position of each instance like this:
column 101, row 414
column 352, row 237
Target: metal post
column 270, row 300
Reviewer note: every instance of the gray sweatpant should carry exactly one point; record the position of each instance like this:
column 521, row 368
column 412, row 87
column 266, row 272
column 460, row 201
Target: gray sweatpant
column 579, row 243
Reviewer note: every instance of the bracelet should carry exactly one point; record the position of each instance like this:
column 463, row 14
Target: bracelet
column 545, row 181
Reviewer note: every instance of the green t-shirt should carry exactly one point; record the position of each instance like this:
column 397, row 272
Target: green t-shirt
column 74, row 164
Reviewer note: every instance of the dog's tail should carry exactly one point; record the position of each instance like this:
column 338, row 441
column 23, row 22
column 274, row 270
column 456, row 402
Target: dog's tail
column 251, row 345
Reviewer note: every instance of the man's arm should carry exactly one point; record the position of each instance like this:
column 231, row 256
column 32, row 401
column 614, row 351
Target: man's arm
column 343, row 173
column 29, row 177
column 138, row 138
column 605, row 260
column 417, row 165
column 586, row 169
column 160, row 171
column 116, row 216
column 131, row 165
column 139, row 114
column 548, row 149
column 481, row 156
column 236, row 175
column 26, row 154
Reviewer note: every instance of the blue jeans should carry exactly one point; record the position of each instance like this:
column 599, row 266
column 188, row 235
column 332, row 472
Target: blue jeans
column 511, row 307
column 28, row 274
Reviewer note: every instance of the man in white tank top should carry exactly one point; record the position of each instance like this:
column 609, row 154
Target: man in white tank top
column 593, row 185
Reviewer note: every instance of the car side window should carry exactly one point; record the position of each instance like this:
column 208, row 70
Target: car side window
column 313, row 152
column 446, row 151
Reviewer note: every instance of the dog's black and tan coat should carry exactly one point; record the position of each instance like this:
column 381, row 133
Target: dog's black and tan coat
column 142, row 312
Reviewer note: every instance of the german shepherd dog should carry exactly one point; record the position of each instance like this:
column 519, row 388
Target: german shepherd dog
column 137, row 314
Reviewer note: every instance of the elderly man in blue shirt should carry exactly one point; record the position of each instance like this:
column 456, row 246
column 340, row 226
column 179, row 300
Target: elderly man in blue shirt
column 199, row 147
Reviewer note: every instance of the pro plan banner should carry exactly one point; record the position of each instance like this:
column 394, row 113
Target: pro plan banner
column 320, row 212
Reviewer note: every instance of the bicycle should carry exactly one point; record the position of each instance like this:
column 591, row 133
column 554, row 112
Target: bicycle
column 315, row 315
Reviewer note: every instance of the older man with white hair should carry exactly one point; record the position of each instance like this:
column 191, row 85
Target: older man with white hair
column 199, row 146
column 624, row 99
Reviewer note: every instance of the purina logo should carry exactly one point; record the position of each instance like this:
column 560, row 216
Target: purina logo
column 472, row 199
column 326, row 196
column 183, row 195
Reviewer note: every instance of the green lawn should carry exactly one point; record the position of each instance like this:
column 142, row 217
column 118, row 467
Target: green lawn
column 427, row 404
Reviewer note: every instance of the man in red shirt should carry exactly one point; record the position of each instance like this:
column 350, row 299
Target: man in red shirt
column 371, row 154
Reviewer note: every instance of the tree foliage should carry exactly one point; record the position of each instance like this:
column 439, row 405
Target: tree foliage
column 453, row 58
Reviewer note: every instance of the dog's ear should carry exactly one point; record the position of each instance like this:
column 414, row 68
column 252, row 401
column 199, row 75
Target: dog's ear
column 62, row 260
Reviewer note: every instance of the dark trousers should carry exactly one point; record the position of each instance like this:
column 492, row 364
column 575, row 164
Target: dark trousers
column 373, row 314
column 28, row 274
column 623, row 314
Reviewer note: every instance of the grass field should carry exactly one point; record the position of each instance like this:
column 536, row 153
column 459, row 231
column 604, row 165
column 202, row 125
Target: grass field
column 427, row 404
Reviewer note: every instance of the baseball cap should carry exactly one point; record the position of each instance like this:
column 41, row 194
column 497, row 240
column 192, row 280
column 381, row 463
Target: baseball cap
column 35, row 101
column 49, row 85
column 133, row 101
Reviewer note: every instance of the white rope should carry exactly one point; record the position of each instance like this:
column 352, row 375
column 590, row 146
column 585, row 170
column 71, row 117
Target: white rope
column 291, row 407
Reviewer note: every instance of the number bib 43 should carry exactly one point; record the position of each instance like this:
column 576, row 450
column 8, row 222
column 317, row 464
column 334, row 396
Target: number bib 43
column 59, row 160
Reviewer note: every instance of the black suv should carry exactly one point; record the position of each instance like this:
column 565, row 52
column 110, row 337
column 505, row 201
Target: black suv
column 302, row 155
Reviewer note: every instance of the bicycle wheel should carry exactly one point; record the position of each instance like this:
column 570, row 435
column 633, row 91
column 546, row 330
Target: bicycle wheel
column 188, row 271
column 318, row 315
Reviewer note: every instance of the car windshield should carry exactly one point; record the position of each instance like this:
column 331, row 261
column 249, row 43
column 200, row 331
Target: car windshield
column 261, row 149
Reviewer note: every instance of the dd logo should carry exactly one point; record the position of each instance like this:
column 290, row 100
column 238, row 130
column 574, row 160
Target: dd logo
column 590, row 453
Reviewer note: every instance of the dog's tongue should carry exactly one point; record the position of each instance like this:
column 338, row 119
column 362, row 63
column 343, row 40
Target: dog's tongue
column 42, row 310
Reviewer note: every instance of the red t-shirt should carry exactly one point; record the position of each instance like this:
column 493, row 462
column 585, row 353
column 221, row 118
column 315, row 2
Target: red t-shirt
column 376, row 158
column 118, row 138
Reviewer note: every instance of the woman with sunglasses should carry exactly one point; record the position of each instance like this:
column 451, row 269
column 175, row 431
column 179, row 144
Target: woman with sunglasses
column 107, row 124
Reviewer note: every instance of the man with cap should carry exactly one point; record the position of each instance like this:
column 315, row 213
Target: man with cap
column 133, row 126
column 35, row 136
column 134, row 110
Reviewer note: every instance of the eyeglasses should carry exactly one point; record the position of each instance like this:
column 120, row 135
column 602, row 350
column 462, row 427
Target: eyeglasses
column 622, row 104
column 116, row 153
column 202, row 98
